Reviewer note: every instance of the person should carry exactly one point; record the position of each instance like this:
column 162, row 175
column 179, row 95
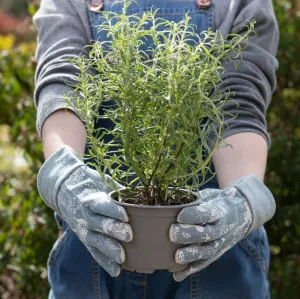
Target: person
column 226, row 258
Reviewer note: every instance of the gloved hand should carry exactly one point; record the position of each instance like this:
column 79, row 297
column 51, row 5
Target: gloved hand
column 220, row 220
column 78, row 194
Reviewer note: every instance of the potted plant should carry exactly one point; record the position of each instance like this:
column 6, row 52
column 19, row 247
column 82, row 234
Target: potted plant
column 167, row 120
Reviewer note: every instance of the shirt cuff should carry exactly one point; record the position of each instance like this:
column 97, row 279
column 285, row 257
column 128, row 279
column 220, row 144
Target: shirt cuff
column 51, row 99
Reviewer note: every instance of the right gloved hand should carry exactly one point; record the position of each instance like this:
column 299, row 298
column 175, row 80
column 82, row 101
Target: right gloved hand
column 79, row 195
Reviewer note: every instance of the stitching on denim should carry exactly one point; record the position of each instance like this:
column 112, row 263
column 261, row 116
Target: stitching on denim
column 95, row 16
column 161, row 12
column 264, row 242
column 134, row 278
column 211, row 17
column 145, row 288
column 195, row 286
column 191, row 287
column 96, row 277
column 253, row 253
column 168, row 11
column 182, row 12
column 57, row 246
column 91, row 16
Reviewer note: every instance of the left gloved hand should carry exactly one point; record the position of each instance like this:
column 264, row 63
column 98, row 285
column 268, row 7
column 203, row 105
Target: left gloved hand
column 220, row 220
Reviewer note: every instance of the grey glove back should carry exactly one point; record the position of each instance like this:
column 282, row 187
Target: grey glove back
column 220, row 220
column 79, row 195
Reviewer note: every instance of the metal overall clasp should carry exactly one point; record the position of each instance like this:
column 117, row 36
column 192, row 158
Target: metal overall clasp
column 96, row 5
column 204, row 4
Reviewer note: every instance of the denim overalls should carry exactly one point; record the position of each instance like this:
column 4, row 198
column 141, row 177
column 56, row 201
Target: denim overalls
column 241, row 273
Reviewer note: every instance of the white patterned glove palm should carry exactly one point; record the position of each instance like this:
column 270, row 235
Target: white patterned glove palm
column 78, row 194
column 220, row 220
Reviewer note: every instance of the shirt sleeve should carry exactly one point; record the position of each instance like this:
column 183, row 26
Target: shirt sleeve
column 63, row 33
column 254, row 82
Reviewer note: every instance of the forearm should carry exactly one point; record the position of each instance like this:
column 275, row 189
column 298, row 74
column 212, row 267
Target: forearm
column 247, row 154
column 61, row 128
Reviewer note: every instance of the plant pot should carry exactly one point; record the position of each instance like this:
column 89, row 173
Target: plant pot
column 151, row 248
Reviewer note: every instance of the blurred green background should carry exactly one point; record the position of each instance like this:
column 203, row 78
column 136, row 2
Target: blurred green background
column 27, row 227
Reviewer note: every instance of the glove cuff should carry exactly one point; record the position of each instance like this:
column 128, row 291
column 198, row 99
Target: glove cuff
column 54, row 172
column 259, row 198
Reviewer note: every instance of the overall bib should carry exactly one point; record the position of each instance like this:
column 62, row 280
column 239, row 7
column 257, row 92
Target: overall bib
column 241, row 273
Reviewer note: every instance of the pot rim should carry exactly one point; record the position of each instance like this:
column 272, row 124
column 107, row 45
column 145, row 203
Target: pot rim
column 156, row 206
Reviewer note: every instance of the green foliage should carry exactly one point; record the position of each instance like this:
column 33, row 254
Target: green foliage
column 26, row 236
column 27, row 228
column 164, row 110
column 14, row 7
column 283, row 174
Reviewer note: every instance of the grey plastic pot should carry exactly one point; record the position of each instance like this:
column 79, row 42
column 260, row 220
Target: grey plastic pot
column 151, row 248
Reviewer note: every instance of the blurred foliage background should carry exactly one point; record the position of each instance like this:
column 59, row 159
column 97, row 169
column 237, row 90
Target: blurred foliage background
column 27, row 227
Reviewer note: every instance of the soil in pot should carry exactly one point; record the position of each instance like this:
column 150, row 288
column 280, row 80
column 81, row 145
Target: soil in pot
column 137, row 197
column 151, row 248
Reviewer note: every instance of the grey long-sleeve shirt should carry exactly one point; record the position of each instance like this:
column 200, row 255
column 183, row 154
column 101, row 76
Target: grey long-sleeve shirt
column 64, row 31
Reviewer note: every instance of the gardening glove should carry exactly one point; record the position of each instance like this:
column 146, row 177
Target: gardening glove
column 220, row 220
column 79, row 195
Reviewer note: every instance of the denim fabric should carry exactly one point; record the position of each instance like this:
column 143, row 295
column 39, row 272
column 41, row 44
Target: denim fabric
column 167, row 9
column 241, row 273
